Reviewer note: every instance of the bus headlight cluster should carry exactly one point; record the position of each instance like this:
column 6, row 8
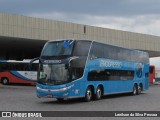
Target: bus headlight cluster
column 65, row 94
column 55, row 90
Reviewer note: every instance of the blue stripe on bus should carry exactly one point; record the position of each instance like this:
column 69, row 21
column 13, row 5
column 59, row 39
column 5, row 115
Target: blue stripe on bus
column 15, row 73
column 3, row 60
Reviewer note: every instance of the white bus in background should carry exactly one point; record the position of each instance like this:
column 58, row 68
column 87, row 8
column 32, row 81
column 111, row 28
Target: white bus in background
column 13, row 71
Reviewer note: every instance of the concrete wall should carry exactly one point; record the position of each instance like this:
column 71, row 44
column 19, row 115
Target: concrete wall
column 43, row 29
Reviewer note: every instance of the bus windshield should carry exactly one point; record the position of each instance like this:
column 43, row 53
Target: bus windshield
column 58, row 48
column 53, row 74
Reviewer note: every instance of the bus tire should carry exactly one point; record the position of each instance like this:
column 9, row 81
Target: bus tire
column 139, row 89
column 98, row 94
column 88, row 94
column 134, row 92
column 5, row 81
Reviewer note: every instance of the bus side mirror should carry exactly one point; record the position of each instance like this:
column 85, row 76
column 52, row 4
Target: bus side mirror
column 30, row 63
column 67, row 66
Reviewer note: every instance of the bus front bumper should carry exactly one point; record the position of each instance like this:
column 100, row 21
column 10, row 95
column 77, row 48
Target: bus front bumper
column 53, row 92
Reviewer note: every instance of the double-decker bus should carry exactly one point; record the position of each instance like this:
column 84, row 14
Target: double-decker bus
column 13, row 71
column 90, row 69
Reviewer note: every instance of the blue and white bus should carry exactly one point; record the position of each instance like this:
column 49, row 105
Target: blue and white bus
column 90, row 69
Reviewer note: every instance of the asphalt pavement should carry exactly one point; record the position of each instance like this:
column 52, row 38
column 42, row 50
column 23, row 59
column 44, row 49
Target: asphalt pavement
column 23, row 98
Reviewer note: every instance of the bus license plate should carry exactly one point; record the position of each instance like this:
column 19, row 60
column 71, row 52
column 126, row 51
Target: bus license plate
column 49, row 96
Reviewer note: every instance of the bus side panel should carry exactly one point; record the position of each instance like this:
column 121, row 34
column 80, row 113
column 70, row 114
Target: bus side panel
column 144, row 78
column 122, row 83
column 112, row 85
column 13, row 78
column 146, row 75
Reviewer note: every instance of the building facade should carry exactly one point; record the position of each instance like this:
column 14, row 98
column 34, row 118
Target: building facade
column 24, row 36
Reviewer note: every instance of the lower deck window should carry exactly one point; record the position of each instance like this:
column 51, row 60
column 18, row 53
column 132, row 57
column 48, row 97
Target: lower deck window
column 111, row 75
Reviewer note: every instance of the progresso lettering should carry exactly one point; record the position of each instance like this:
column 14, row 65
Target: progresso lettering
column 52, row 61
column 108, row 63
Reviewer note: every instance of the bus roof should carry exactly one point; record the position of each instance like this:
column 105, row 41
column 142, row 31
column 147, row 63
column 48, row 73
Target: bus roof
column 18, row 61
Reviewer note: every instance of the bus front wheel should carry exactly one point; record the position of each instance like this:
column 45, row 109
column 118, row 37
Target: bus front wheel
column 5, row 81
column 88, row 95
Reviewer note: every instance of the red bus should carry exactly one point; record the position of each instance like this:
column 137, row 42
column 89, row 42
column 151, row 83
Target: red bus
column 152, row 74
column 12, row 71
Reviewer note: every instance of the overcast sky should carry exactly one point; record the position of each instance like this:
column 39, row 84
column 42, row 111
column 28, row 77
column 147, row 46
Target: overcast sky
column 142, row 16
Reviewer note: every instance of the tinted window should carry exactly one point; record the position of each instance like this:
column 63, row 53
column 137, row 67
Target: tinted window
column 59, row 48
column 151, row 69
column 18, row 66
column 81, row 48
column 110, row 75
column 99, row 50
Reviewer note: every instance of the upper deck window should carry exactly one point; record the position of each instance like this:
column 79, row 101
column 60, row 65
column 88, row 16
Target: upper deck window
column 58, row 48
column 66, row 48
column 100, row 50
column 81, row 48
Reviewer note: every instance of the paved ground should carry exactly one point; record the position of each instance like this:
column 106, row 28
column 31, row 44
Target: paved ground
column 23, row 98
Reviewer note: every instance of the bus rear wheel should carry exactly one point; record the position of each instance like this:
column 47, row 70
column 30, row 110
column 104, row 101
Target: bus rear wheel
column 134, row 92
column 88, row 95
column 5, row 81
column 98, row 94
column 139, row 89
